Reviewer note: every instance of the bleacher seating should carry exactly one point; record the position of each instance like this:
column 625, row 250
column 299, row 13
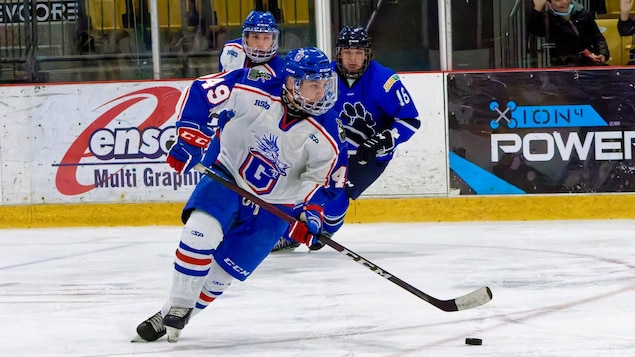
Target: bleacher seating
column 620, row 47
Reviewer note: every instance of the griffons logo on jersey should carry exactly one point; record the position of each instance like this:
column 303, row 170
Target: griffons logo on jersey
column 389, row 83
column 262, row 167
column 256, row 74
column 268, row 147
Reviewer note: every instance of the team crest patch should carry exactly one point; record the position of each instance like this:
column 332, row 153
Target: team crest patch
column 256, row 74
column 268, row 148
column 389, row 83
column 340, row 130
column 263, row 166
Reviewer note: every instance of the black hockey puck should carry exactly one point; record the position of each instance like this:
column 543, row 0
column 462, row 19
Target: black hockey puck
column 473, row 341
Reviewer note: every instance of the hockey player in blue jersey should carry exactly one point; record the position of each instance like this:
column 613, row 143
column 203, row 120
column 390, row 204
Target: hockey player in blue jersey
column 376, row 109
column 377, row 112
column 257, row 48
column 279, row 139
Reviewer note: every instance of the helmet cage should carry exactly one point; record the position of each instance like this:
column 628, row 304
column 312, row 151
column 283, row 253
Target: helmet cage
column 256, row 54
column 357, row 38
column 316, row 107
column 352, row 74
column 310, row 63
column 260, row 22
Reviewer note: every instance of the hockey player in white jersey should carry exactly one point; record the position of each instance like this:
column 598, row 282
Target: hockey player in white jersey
column 257, row 48
column 278, row 139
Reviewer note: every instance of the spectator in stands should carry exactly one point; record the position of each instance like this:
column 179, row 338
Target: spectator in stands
column 626, row 23
column 576, row 38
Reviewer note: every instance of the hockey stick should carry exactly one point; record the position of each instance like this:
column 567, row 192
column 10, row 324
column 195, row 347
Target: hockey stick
column 476, row 298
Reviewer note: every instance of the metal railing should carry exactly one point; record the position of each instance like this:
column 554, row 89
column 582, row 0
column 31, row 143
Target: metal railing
column 77, row 40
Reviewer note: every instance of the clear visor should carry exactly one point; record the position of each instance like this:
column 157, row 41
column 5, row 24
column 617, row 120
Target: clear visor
column 260, row 46
column 316, row 96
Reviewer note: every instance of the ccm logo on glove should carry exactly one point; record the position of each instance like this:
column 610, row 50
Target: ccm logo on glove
column 188, row 150
column 194, row 137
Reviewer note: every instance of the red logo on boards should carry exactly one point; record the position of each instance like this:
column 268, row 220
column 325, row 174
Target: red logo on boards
column 166, row 97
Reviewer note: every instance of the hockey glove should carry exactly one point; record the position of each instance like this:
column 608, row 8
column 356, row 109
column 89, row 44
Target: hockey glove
column 308, row 225
column 378, row 144
column 224, row 117
column 188, row 150
column 316, row 244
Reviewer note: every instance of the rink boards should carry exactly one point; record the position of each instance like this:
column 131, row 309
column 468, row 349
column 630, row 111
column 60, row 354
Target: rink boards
column 450, row 209
column 94, row 154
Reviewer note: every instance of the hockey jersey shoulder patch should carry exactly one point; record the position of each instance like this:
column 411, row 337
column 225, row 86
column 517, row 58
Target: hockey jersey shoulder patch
column 257, row 74
column 390, row 82
column 340, row 130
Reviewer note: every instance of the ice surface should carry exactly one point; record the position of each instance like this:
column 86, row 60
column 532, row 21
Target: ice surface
column 561, row 288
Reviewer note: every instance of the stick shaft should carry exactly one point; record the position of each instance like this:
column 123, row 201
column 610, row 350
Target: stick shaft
column 473, row 299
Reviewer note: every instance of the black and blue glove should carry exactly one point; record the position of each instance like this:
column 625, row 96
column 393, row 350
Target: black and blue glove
column 378, row 144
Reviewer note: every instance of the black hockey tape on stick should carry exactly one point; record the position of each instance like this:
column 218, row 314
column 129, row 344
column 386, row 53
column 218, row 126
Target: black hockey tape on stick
column 471, row 300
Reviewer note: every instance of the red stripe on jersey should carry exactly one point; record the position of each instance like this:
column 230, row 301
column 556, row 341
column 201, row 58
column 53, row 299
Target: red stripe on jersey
column 237, row 45
column 208, row 76
column 312, row 192
column 190, row 260
column 269, row 69
column 259, row 92
column 325, row 133
column 331, row 141
column 181, row 104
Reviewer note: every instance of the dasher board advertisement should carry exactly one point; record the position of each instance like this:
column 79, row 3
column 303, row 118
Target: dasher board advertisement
column 547, row 131
column 106, row 142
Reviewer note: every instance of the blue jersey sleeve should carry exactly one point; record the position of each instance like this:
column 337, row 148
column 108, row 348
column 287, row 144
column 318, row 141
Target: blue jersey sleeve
column 333, row 199
column 197, row 103
column 396, row 102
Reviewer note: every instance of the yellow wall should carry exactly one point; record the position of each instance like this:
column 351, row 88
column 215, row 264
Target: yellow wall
column 473, row 208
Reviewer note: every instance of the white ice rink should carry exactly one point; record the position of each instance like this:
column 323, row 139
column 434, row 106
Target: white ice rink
column 560, row 289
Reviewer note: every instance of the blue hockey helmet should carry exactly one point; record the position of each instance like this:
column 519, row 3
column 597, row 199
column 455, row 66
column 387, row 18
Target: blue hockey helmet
column 310, row 64
column 262, row 23
column 357, row 38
